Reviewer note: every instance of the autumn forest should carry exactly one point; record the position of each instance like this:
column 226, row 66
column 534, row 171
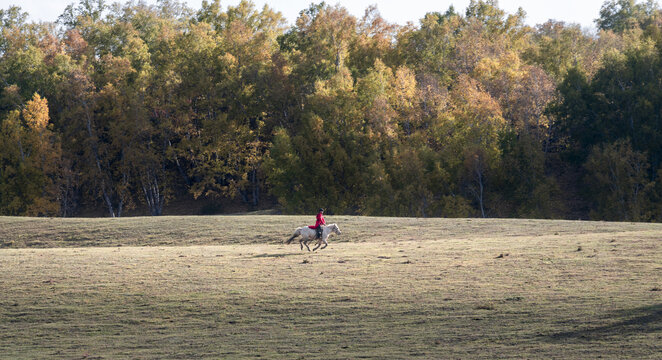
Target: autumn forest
column 131, row 109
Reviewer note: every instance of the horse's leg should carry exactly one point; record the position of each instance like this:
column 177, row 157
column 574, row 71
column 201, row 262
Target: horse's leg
column 319, row 242
column 303, row 242
column 322, row 240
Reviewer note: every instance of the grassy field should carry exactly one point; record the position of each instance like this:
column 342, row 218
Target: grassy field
column 227, row 287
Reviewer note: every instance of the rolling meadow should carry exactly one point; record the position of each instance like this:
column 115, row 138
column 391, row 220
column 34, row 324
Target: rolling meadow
column 227, row 287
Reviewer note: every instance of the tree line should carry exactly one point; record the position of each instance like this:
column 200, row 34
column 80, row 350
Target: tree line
column 134, row 106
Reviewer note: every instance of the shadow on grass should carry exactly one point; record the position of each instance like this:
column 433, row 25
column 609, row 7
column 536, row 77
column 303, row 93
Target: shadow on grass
column 276, row 255
column 647, row 319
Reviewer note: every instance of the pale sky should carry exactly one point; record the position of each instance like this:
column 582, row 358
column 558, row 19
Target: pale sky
column 395, row 11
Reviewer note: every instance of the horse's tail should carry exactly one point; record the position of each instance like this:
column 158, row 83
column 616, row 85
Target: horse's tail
column 290, row 239
column 296, row 233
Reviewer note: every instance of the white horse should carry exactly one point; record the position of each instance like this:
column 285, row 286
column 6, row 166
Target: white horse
column 308, row 234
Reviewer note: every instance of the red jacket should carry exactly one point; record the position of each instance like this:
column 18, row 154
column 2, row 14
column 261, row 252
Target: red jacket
column 320, row 221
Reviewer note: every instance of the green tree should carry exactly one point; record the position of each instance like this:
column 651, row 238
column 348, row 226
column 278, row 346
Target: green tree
column 559, row 46
column 318, row 45
column 232, row 118
column 524, row 187
column 477, row 122
column 619, row 181
column 621, row 15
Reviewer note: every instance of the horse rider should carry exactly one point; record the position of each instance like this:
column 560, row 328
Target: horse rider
column 320, row 221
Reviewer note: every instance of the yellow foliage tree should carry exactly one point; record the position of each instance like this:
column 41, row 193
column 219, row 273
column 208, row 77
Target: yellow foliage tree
column 30, row 163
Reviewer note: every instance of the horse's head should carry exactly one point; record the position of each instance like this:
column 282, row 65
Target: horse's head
column 335, row 229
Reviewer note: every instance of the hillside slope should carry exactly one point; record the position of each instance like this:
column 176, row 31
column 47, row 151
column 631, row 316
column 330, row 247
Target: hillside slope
column 20, row 232
column 227, row 287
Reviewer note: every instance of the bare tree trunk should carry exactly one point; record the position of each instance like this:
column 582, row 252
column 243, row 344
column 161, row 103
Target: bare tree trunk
column 20, row 149
column 244, row 196
column 179, row 167
column 153, row 196
column 479, row 179
column 148, row 199
column 479, row 189
column 256, row 187
column 425, row 206
column 109, row 203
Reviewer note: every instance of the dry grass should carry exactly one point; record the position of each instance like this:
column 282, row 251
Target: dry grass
column 226, row 287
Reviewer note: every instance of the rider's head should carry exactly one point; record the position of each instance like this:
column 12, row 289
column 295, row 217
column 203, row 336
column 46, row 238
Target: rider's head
column 320, row 210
